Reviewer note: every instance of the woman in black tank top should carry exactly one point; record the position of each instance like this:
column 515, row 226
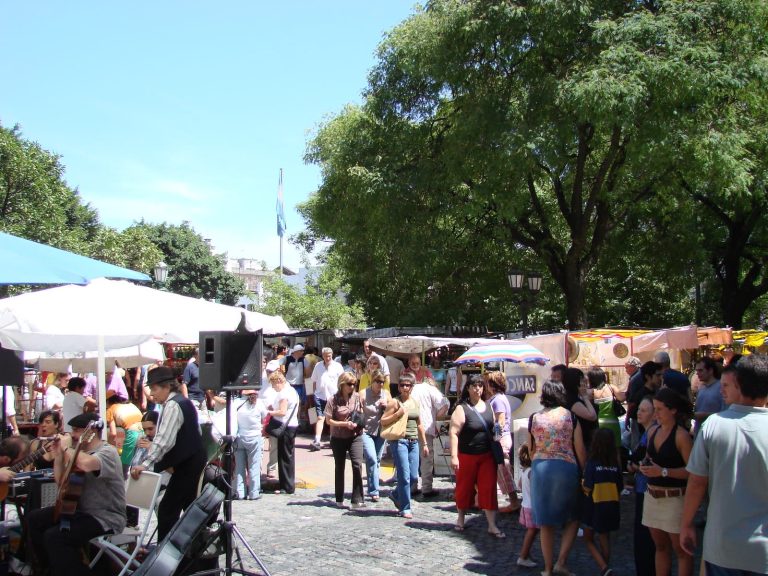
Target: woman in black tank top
column 471, row 457
column 669, row 446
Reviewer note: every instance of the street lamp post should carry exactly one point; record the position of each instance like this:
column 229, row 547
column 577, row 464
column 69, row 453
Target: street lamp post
column 527, row 285
column 161, row 273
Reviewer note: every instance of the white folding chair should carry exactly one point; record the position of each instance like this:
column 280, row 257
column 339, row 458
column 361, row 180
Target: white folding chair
column 142, row 494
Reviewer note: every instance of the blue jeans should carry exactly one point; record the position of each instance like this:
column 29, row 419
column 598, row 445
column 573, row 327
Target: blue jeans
column 406, row 455
column 248, row 453
column 373, row 448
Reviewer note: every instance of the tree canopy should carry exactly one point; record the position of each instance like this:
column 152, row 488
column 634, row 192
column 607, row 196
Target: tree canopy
column 192, row 269
column 36, row 203
column 589, row 138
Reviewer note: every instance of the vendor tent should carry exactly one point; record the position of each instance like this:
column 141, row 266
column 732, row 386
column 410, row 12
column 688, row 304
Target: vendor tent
column 684, row 338
column 26, row 262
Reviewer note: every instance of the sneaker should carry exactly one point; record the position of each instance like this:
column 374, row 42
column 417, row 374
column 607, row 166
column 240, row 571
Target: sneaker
column 314, row 447
column 526, row 563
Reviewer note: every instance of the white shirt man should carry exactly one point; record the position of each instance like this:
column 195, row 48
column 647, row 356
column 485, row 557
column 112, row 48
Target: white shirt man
column 432, row 406
column 325, row 380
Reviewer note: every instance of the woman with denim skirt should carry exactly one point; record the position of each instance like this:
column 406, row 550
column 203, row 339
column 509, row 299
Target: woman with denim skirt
column 406, row 451
column 375, row 400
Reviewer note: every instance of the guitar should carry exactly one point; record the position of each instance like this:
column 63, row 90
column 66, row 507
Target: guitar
column 21, row 464
column 73, row 480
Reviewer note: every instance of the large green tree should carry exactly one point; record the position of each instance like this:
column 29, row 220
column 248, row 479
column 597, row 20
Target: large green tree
column 35, row 201
column 193, row 270
column 498, row 133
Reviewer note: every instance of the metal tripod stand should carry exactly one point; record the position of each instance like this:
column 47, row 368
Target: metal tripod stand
column 228, row 530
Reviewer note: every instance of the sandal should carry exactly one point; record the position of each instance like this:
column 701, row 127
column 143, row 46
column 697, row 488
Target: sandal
column 458, row 528
column 498, row 534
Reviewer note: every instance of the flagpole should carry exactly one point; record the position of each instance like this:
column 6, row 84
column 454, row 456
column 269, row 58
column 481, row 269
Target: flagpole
column 281, row 215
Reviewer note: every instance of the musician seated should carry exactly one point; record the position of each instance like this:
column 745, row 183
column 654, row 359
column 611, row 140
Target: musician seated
column 12, row 450
column 58, row 533
column 49, row 424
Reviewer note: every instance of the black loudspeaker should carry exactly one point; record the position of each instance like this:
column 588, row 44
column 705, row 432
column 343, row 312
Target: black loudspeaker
column 231, row 360
column 11, row 367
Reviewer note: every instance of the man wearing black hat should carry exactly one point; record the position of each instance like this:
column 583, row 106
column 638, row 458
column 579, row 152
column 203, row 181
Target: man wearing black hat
column 56, row 543
column 177, row 447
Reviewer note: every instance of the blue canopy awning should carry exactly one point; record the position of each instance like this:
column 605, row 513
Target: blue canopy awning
column 26, row 262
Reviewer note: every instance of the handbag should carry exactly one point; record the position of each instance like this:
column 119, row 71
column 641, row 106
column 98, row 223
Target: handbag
column 275, row 428
column 496, row 449
column 618, row 407
column 356, row 416
column 395, row 430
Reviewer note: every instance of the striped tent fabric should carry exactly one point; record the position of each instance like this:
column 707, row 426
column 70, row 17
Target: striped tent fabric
column 503, row 353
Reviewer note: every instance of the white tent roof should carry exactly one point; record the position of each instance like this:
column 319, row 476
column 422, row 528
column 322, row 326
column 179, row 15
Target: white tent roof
column 74, row 318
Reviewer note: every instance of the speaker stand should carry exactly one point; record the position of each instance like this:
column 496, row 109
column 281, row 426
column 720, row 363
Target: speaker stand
column 228, row 530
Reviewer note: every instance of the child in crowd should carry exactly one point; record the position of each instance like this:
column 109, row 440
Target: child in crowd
column 526, row 514
column 602, row 485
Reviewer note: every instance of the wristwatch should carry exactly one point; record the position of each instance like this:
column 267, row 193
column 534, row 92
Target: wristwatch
column 664, row 472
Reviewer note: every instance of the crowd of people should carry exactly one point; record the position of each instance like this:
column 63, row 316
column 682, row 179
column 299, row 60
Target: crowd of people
column 679, row 455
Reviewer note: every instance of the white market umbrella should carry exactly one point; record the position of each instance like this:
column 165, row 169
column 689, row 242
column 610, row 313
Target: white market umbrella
column 73, row 318
column 146, row 353
column 109, row 314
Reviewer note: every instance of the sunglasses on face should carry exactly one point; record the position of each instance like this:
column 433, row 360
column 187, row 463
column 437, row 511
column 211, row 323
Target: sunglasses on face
column 405, row 385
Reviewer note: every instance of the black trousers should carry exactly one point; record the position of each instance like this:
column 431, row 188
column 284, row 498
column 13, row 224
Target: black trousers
column 340, row 447
column 56, row 549
column 179, row 494
column 286, row 461
column 645, row 549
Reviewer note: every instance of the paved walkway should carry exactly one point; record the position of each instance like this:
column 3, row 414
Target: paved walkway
column 305, row 533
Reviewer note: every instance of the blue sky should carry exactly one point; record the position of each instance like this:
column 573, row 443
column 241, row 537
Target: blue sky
column 176, row 110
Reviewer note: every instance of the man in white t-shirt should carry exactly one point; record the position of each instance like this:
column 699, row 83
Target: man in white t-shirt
column 325, row 380
column 74, row 402
column 432, row 406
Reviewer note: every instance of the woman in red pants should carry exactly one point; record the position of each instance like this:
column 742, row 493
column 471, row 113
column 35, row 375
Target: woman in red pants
column 471, row 456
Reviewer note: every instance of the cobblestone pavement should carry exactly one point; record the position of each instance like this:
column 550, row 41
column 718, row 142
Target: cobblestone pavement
column 306, row 533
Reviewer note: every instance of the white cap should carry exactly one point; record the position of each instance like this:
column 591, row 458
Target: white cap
column 297, row 348
column 273, row 365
